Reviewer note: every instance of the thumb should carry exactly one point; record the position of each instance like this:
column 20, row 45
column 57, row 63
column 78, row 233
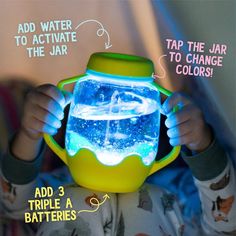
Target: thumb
column 176, row 99
column 68, row 97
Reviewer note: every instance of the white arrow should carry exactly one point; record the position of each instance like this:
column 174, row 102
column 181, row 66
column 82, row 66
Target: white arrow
column 100, row 32
column 95, row 202
column 162, row 68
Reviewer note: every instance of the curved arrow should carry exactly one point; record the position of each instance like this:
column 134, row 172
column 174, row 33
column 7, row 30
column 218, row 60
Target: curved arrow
column 97, row 204
column 162, row 68
column 100, row 32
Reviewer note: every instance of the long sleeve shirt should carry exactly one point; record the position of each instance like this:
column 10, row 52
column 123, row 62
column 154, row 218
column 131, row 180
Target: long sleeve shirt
column 148, row 211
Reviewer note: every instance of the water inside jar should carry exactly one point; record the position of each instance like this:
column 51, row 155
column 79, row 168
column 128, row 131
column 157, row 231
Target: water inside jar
column 126, row 124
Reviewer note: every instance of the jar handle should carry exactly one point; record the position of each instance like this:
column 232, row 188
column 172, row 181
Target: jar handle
column 164, row 161
column 51, row 142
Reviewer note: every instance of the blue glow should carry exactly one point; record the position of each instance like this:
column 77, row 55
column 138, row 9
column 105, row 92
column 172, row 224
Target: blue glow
column 119, row 77
column 114, row 120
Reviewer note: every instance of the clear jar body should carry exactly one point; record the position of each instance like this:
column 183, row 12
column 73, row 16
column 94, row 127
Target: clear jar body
column 114, row 118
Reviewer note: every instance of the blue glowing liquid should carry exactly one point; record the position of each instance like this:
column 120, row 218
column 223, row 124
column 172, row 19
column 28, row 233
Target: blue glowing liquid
column 122, row 124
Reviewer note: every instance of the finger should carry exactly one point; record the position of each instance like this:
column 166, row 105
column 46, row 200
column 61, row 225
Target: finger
column 180, row 130
column 174, row 100
column 53, row 92
column 47, row 103
column 36, row 125
column 68, row 97
column 182, row 140
column 46, row 117
column 181, row 116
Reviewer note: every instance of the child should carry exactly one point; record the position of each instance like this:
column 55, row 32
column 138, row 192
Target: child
column 148, row 211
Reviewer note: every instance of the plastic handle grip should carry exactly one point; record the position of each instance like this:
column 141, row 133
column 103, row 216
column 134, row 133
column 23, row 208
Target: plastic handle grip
column 51, row 142
column 164, row 161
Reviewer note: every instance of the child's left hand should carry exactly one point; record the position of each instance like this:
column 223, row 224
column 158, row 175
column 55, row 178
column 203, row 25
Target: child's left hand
column 186, row 126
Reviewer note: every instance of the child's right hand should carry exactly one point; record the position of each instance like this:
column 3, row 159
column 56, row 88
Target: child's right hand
column 43, row 111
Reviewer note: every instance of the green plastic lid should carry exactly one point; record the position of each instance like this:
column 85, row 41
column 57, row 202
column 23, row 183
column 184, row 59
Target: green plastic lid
column 120, row 64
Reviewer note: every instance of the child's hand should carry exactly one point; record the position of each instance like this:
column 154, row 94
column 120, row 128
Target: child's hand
column 43, row 110
column 187, row 125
